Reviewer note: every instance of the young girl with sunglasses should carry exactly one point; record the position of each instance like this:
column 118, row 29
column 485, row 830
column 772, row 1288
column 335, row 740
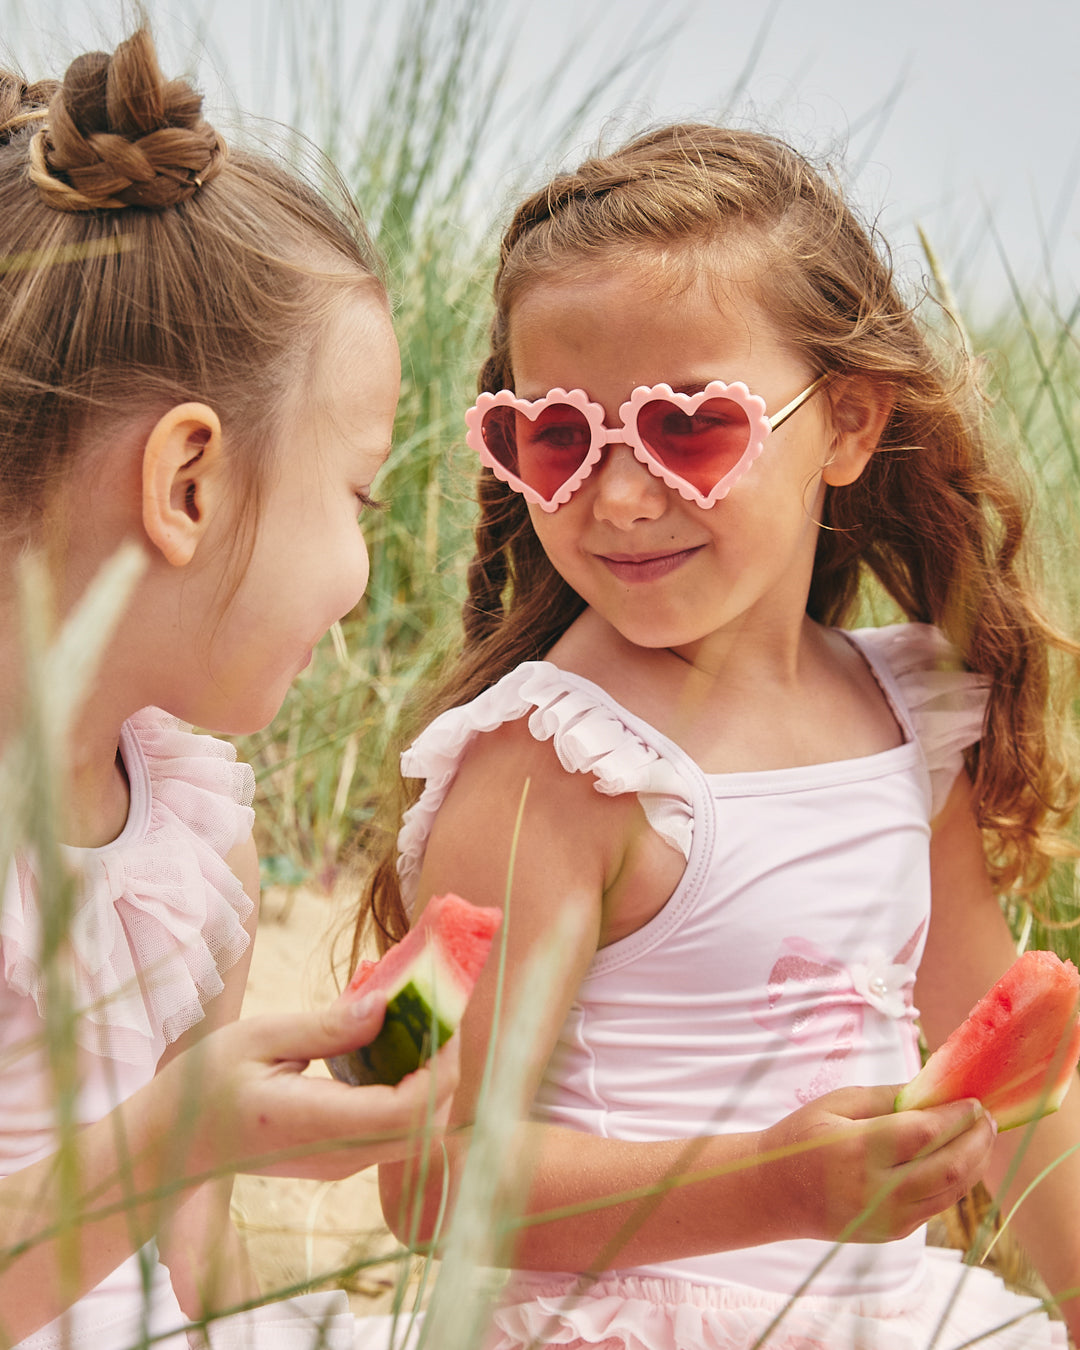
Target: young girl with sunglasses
column 197, row 356
column 707, row 417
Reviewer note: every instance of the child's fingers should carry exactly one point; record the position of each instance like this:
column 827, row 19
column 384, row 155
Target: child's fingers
column 349, row 1128
column 421, row 1100
column 918, row 1134
column 860, row 1103
column 906, row 1134
column 356, row 1022
column 917, row 1163
column 940, row 1174
column 907, row 1165
column 305, row 1036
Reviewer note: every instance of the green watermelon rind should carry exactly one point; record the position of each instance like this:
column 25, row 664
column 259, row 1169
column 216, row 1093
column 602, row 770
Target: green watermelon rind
column 423, row 1011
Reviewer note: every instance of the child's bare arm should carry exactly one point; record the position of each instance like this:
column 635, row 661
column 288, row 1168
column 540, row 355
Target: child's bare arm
column 968, row 947
column 842, row 1168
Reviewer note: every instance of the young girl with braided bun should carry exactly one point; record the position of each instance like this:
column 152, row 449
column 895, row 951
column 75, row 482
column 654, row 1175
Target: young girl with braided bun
column 706, row 418
column 195, row 355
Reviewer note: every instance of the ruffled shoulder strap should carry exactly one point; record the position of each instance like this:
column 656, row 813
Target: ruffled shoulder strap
column 590, row 734
column 159, row 914
column 944, row 704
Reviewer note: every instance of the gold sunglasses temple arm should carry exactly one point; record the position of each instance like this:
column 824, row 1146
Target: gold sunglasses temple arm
column 799, row 399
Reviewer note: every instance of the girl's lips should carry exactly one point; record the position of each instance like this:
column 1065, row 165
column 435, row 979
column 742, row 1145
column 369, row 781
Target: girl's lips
column 642, row 567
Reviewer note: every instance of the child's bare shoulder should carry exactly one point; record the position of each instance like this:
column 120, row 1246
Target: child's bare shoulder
column 510, row 770
column 501, row 761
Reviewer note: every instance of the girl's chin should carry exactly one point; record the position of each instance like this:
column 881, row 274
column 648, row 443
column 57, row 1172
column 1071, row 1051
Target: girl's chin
column 657, row 637
column 254, row 716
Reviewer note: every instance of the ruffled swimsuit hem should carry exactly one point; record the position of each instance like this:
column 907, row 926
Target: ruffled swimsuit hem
column 948, row 1307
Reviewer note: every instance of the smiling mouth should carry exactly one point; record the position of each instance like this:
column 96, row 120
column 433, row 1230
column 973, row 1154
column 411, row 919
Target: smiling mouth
column 642, row 567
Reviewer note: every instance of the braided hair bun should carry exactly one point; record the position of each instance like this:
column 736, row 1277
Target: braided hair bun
column 118, row 134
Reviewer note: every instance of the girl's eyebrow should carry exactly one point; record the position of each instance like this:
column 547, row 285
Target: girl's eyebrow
column 694, row 388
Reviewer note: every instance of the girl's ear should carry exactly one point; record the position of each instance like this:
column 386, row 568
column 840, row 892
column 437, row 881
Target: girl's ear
column 182, row 479
column 860, row 410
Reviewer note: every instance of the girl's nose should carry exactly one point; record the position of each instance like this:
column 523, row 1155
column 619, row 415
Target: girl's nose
column 625, row 489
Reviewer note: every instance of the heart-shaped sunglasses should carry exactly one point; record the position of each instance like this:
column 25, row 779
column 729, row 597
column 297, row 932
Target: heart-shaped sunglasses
column 699, row 444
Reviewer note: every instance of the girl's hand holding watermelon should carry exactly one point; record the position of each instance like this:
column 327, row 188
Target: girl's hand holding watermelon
column 848, row 1170
column 253, row 1109
column 1015, row 1056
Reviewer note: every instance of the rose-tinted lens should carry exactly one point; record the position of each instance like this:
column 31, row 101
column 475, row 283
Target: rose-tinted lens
column 702, row 446
column 544, row 453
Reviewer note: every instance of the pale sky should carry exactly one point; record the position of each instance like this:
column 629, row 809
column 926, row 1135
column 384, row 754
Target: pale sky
column 957, row 114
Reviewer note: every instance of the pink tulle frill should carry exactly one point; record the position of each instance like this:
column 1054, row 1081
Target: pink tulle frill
column 158, row 915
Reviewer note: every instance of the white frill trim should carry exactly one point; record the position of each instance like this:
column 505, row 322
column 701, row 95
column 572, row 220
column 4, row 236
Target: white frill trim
column 588, row 737
column 946, row 704
column 159, row 915
column 634, row 1313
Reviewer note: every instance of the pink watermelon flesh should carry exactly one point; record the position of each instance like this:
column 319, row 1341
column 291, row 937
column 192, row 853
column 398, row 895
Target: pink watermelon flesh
column 1016, row 1052
column 463, row 931
column 427, row 978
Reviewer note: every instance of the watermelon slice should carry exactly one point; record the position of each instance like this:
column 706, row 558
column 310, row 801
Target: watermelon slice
column 1016, row 1052
column 428, row 978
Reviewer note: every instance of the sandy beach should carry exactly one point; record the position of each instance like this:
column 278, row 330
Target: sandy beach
column 299, row 1230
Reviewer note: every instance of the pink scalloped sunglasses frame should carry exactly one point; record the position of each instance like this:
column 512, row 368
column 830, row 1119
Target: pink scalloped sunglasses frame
column 759, row 427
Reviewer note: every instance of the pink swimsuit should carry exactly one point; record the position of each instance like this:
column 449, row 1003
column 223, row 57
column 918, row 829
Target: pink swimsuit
column 781, row 967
